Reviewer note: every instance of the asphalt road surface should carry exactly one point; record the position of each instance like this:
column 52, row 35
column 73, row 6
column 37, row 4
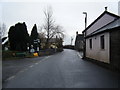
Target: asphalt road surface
column 64, row 70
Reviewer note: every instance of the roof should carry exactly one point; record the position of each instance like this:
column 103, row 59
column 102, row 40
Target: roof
column 105, row 12
column 108, row 27
column 5, row 40
column 79, row 37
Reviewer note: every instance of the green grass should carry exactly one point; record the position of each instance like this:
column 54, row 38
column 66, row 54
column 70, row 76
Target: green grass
column 14, row 55
column 9, row 55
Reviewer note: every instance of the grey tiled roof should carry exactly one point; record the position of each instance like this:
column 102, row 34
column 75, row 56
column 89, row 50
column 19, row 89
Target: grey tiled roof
column 114, row 24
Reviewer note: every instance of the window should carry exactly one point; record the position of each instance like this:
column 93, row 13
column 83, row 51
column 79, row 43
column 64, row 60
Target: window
column 102, row 42
column 90, row 41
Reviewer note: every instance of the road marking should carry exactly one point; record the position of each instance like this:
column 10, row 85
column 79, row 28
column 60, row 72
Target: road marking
column 10, row 78
column 36, row 63
column 79, row 55
column 27, row 68
column 21, row 71
column 47, row 57
column 31, row 66
column 44, row 59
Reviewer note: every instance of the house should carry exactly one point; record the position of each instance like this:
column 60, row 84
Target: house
column 53, row 43
column 79, row 42
column 102, row 40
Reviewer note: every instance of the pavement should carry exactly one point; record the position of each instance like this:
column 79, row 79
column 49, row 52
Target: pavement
column 62, row 70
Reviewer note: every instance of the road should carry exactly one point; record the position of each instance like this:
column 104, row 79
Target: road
column 64, row 70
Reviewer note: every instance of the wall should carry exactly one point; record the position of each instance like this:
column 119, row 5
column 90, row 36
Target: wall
column 115, row 47
column 79, row 42
column 100, row 23
column 96, row 52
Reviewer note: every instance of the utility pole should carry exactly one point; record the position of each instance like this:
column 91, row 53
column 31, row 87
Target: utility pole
column 85, row 19
column 84, row 52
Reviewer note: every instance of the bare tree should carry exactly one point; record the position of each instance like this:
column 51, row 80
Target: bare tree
column 0, row 31
column 51, row 29
column 41, row 32
column 49, row 24
column 59, row 32
column 3, row 30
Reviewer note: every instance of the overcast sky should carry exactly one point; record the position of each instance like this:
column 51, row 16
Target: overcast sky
column 67, row 13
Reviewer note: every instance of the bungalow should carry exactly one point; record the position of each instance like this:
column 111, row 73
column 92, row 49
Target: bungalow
column 102, row 40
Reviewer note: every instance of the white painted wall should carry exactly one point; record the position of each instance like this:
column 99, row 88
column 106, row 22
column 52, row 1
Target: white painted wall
column 96, row 52
column 100, row 23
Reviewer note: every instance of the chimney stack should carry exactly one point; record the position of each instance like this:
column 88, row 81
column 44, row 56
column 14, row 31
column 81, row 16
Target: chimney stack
column 105, row 8
column 76, row 33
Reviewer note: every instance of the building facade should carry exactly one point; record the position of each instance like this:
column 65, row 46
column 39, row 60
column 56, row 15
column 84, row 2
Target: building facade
column 102, row 42
column 79, row 42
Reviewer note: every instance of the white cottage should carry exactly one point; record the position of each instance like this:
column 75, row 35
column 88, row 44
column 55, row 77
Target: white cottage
column 102, row 39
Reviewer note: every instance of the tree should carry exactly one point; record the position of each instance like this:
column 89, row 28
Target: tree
column 3, row 30
column 0, row 31
column 41, row 36
column 41, row 33
column 49, row 25
column 59, row 32
column 11, row 36
column 59, row 36
column 18, row 37
column 34, row 33
column 34, row 37
column 51, row 29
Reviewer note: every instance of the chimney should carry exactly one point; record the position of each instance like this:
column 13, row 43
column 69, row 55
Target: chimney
column 105, row 8
column 76, row 33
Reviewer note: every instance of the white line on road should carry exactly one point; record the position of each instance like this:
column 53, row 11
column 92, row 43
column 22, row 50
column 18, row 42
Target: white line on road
column 47, row 57
column 36, row 63
column 15, row 74
column 79, row 55
column 21, row 71
column 44, row 59
column 31, row 66
column 10, row 78
column 26, row 68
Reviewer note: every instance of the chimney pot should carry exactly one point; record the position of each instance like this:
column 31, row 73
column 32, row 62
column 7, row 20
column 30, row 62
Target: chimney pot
column 105, row 8
column 77, row 33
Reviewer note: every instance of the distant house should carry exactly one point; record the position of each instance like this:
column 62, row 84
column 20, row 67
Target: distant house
column 102, row 39
column 79, row 42
column 53, row 43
